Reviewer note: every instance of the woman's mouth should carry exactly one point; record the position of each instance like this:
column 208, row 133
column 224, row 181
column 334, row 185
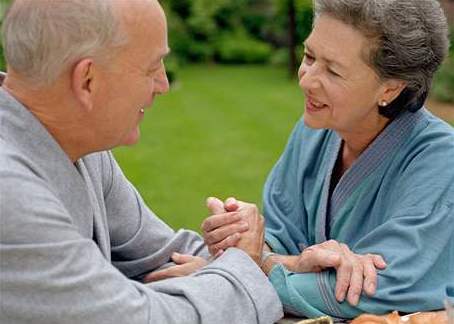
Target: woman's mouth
column 314, row 106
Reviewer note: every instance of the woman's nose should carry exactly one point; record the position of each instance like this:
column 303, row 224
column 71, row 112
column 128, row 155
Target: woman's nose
column 308, row 78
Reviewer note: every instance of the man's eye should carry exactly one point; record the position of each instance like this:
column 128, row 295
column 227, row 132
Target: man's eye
column 153, row 71
column 309, row 59
column 333, row 73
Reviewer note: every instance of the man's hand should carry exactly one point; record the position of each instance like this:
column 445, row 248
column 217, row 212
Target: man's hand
column 186, row 264
column 234, row 223
column 354, row 273
column 223, row 229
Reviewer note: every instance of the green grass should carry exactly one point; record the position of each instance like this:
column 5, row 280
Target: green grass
column 218, row 132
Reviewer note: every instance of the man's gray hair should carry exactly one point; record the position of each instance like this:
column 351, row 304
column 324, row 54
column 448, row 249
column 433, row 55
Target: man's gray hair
column 409, row 41
column 44, row 38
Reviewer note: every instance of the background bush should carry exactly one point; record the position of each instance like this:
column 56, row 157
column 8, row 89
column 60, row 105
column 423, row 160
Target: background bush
column 241, row 31
column 3, row 5
column 443, row 88
column 241, row 48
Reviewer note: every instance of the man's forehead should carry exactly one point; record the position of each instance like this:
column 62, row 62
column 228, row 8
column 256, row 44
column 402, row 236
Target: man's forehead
column 133, row 10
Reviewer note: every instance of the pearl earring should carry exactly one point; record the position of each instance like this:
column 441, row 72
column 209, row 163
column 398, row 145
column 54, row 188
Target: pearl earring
column 383, row 103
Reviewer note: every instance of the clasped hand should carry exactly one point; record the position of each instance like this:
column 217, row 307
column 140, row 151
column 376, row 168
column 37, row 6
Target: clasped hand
column 246, row 220
column 355, row 273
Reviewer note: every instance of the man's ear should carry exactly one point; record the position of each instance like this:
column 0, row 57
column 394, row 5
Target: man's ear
column 82, row 83
column 392, row 89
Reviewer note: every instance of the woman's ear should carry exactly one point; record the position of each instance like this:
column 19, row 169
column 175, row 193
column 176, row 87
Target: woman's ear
column 392, row 90
column 82, row 83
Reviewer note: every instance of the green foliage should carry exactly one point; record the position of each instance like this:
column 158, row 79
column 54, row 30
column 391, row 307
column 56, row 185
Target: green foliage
column 280, row 56
column 2, row 59
column 194, row 26
column 232, row 31
column 443, row 87
column 277, row 25
column 218, row 132
column 304, row 19
column 241, row 48
column 3, row 6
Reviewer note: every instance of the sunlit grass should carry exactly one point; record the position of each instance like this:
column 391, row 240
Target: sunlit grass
column 218, row 132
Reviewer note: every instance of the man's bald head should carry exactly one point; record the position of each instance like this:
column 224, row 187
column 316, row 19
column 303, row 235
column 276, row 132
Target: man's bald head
column 44, row 38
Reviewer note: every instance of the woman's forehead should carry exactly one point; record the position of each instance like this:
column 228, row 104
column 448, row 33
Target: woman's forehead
column 336, row 42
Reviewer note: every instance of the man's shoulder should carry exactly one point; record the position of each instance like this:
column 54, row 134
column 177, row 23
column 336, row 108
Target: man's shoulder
column 13, row 160
column 26, row 198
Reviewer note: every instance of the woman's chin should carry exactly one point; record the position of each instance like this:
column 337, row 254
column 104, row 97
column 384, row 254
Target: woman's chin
column 313, row 122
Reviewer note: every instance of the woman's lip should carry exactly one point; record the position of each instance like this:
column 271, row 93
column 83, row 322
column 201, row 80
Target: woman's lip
column 312, row 108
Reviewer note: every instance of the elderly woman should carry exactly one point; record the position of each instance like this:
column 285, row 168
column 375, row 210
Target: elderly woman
column 367, row 172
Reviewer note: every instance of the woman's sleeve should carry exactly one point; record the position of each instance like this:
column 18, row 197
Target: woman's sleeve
column 282, row 201
column 416, row 240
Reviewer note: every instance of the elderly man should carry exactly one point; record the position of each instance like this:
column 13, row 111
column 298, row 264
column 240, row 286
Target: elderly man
column 75, row 235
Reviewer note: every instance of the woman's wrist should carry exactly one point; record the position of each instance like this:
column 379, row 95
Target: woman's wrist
column 268, row 261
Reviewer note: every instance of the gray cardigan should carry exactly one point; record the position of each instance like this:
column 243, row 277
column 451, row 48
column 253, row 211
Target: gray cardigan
column 74, row 236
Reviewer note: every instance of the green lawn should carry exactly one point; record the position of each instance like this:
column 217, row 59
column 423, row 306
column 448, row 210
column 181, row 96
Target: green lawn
column 218, row 132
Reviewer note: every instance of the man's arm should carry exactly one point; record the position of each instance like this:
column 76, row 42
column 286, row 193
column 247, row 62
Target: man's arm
column 141, row 242
column 50, row 273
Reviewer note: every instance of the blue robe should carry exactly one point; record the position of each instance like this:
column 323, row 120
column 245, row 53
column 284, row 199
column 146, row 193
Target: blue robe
column 396, row 200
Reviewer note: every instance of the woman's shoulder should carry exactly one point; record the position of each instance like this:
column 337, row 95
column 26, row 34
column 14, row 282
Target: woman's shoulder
column 431, row 143
column 433, row 131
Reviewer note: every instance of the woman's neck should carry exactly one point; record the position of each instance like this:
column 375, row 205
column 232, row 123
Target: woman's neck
column 356, row 142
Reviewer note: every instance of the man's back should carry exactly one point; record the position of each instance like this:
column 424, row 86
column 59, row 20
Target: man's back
column 61, row 223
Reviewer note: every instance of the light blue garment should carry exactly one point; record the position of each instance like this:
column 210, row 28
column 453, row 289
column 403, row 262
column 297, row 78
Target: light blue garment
column 397, row 200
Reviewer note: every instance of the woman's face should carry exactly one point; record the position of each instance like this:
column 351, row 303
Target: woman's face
column 342, row 91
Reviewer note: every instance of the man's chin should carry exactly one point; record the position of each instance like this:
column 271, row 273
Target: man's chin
column 132, row 138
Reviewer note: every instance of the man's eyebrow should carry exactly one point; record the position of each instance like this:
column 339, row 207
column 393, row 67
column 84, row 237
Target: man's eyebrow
column 167, row 52
column 161, row 57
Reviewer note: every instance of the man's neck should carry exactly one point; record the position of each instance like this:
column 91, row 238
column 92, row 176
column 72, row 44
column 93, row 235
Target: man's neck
column 53, row 110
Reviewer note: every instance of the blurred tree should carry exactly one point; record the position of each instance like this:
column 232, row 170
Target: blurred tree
column 292, row 41
column 3, row 5
column 292, row 24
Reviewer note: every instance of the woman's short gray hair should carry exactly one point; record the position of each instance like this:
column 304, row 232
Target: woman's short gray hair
column 409, row 42
column 43, row 38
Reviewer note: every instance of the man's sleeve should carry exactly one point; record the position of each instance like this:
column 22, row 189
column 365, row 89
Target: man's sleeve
column 49, row 273
column 141, row 242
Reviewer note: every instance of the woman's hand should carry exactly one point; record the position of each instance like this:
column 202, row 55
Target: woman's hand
column 252, row 240
column 185, row 265
column 354, row 272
